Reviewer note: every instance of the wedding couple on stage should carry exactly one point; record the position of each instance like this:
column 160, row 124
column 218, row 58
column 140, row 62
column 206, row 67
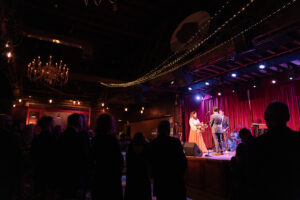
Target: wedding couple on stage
column 219, row 126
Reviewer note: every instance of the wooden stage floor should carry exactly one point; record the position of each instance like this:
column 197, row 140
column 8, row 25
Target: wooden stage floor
column 208, row 177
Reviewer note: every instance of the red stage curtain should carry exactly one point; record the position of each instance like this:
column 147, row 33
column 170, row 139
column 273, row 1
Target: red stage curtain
column 245, row 106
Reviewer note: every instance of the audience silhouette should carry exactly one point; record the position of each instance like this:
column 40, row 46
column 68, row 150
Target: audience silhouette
column 168, row 165
column 272, row 168
column 9, row 159
column 43, row 153
column 108, row 161
column 138, row 184
column 73, row 160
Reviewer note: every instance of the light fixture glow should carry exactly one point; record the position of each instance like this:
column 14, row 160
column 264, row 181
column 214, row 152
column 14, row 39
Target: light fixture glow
column 142, row 111
column 9, row 54
column 14, row 105
column 172, row 82
column 102, row 104
column 233, row 91
column 206, row 83
column 107, row 108
column 20, row 100
column 74, row 102
column 126, row 109
column 254, row 86
column 273, row 81
column 219, row 93
column 50, row 100
column 198, row 97
column 291, row 77
column 233, row 75
column 143, row 108
column 190, row 88
column 262, row 66
column 78, row 102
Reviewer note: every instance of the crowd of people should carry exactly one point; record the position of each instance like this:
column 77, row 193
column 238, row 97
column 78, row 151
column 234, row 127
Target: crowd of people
column 74, row 164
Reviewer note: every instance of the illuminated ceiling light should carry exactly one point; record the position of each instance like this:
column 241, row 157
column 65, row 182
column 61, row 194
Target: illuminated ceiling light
column 172, row 82
column 107, row 108
column 29, row 96
column 198, row 97
column 74, row 102
column 78, row 102
column 20, row 100
column 291, row 77
column 119, row 120
column 233, row 75
column 125, row 109
column 254, row 86
column 233, row 91
column 142, row 111
column 9, row 54
column 50, row 100
column 219, row 93
column 14, row 105
column 56, row 41
column 190, row 88
column 274, row 81
column 262, row 66
column 206, row 83
column 143, row 108
column 102, row 104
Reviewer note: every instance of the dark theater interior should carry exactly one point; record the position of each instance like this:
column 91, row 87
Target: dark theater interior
column 149, row 99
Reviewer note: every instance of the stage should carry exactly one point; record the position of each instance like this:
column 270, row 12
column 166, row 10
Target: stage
column 208, row 177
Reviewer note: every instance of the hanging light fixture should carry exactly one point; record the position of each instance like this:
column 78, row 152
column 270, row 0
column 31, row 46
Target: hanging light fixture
column 51, row 73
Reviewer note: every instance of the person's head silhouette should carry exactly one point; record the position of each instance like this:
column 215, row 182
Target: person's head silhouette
column 164, row 128
column 277, row 114
column 105, row 125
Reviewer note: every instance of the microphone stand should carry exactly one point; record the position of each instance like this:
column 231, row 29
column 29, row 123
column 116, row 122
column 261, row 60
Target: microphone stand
column 207, row 155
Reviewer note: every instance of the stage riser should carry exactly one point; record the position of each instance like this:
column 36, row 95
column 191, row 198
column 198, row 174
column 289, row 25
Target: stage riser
column 208, row 176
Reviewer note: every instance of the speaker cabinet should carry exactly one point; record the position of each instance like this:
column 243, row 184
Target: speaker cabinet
column 192, row 149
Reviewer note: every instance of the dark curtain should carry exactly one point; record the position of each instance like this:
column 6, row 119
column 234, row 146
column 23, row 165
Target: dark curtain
column 245, row 106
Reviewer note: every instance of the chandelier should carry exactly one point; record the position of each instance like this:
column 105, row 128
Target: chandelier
column 52, row 73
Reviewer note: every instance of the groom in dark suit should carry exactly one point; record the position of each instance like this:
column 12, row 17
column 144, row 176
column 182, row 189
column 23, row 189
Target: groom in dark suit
column 225, row 127
column 216, row 129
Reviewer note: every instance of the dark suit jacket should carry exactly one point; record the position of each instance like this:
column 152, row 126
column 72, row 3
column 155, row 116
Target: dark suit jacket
column 216, row 123
column 225, row 122
column 168, row 166
column 273, row 165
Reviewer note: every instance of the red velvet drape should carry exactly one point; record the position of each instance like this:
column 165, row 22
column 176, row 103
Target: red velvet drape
column 246, row 106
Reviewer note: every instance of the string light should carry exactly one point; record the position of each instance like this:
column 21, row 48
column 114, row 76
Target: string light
column 20, row 100
column 14, row 105
column 142, row 111
column 78, row 102
column 185, row 45
column 102, row 104
column 153, row 75
column 167, row 68
column 125, row 109
column 50, row 100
